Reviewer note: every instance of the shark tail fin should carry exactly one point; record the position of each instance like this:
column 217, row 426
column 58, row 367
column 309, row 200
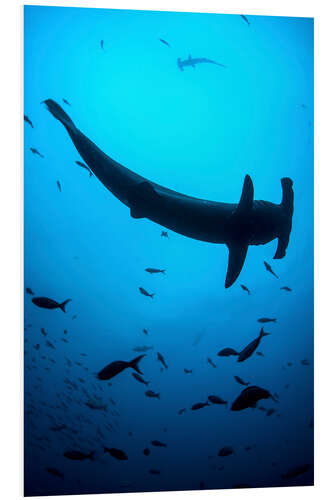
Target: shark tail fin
column 238, row 247
column 287, row 206
column 59, row 113
column 135, row 362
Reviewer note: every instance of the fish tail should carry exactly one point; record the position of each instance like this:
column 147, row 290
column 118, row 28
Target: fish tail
column 163, row 271
column 152, row 295
column 59, row 113
column 62, row 305
column 263, row 333
column 135, row 362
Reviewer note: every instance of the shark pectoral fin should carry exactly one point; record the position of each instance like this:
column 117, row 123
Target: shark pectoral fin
column 246, row 200
column 237, row 255
column 141, row 196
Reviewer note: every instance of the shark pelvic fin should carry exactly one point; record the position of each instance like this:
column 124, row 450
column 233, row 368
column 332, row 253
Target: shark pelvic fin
column 237, row 256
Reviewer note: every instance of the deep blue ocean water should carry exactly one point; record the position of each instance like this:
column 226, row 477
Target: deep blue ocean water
column 198, row 132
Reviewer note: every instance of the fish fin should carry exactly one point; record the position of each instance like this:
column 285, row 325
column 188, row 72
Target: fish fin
column 134, row 363
column 262, row 333
column 237, row 256
column 246, row 201
column 59, row 113
column 287, row 205
column 62, row 305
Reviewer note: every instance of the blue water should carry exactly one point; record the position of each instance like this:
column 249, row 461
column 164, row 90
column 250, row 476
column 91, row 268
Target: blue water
column 198, row 132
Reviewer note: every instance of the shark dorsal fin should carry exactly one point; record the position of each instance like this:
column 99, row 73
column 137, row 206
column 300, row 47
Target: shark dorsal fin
column 246, row 200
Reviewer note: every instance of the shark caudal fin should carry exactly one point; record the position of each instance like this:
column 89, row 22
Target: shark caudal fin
column 287, row 206
column 59, row 113
column 238, row 247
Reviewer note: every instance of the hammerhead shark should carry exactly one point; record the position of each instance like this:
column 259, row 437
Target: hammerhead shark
column 238, row 225
column 192, row 62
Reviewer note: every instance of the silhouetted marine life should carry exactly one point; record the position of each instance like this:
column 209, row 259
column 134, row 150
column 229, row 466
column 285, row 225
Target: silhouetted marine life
column 162, row 360
column 296, row 471
column 259, row 353
column 193, row 61
column 47, row 303
column 85, row 167
column 164, row 234
column 154, row 471
column 227, row 351
column 249, row 397
column 36, row 152
column 102, row 44
column 117, row 367
column 270, row 412
column 29, row 291
column 305, row 362
column 139, row 378
column 146, row 452
column 144, row 292
column 59, row 186
column 78, row 455
column 286, row 288
column 187, row 371
column 145, row 331
column 115, row 453
column 239, row 225
column 142, row 348
column 158, row 443
column 225, row 451
column 266, row 320
column 198, row 406
column 152, row 270
column 54, row 472
column 27, row 119
column 217, row 400
column 251, row 347
column 269, row 269
column 165, row 42
column 245, row 19
column 211, row 363
column 152, row 394
column 96, row 404
column 246, row 289
column 181, row 411
column 240, row 381
column 43, row 331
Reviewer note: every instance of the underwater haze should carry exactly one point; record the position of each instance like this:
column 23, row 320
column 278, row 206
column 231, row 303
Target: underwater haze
column 198, row 129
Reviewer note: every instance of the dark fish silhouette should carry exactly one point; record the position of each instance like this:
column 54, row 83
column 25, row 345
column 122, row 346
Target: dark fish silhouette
column 139, row 378
column 102, row 44
column 158, row 444
column 216, row 400
column 198, row 406
column 162, row 360
column 266, row 320
column 66, row 102
column 269, row 269
column 259, row 353
column 154, row 471
column 164, row 234
column 245, row 19
column 59, row 186
column 270, row 412
column 44, row 332
column 296, row 471
column 29, row 291
column 78, row 455
column 187, row 371
column 152, row 270
column 165, row 42
column 305, row 362
column 144, row 292
column 117, row 367
column 181, row 411
column 55, row 472
column 286, row 288
column 251, row 347
column 145, row 331
column 146, row 452
column 249, row 222
column 115, row 453
column 152, row 394
column 36, row 152
column 27, row 119
column 211, row 363
column 47, row 303
column 84, row 166
column 225, row 451
column 249, row 397
column 142, row 348
column 246, row 289
column 240, row 381
column 193, row 61
column 227, row 351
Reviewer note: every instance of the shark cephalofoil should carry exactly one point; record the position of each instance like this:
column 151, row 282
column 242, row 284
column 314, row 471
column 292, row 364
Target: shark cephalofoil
column 238, row 225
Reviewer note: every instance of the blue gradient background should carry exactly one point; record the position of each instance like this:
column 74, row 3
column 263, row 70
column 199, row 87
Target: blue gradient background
column 198, row 132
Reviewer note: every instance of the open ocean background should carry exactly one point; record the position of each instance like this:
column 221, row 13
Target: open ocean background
column 198, row 132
